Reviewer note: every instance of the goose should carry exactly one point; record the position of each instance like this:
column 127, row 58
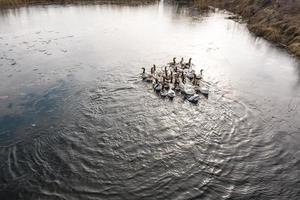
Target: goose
column 188, row 90
column 165, row 83
column 201, row 89
column 157, row 86
column 194, row 98
column 178, row 70
column 145, row 76
column 177, row 85
column 163, row 92
column 171, row 93
column 153, row 70
column 170, row 77
column 188, row 64
column 190, row 74
column 199, row 76
column 173, row 63
column 204, row 90
column 182, row 77
column 174, row 60
column 166, row 72
column 195, row 81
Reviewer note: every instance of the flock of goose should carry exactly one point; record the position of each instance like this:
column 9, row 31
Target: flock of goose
column 177, row 78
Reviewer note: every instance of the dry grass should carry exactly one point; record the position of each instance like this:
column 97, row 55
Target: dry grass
column 295, row 48
column 275, row 20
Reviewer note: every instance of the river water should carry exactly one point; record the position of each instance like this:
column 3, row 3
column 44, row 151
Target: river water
column 77, row 122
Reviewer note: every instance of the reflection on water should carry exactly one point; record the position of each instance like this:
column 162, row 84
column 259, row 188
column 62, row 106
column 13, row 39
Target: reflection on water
column 76, row 121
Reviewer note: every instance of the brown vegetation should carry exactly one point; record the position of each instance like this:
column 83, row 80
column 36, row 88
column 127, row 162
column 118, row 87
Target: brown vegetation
column 275, row 20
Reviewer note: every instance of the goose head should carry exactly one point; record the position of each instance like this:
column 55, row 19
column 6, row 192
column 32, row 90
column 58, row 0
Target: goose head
column 154, row 68
column 201, row 71
column 166, row 72
column 181, row 61
column 143, row 68
column 190, row 61
column 174, row 60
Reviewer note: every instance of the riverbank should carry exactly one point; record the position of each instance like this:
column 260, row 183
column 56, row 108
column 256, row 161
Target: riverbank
column 275, row 20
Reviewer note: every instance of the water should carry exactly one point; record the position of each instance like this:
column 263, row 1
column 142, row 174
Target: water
column 76, row 121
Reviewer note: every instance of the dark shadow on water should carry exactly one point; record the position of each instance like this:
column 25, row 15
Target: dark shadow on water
column 35, row 112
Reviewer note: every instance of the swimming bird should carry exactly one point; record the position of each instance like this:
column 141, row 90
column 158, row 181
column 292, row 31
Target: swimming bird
column 201, row 89
column 182, row 77
column 200, row 75
column 204, row 90
column 163, row 92
column 174, row 60
column 188, row 90
column 194, row 98
column 188, row 64
column 145, row 76
column 173, row 63
column 195, row 81
column 171, row 93
column 165, row 83
column 157, row 86
column 190, row 74
column 176, row 84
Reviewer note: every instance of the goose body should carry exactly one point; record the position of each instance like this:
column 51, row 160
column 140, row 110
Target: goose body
column 157, row 87
column 194, row 98
column 188, row 91
column 163, row 92
column 204, row 90
column 180, row 86
column 171, row 93
column 201, row 89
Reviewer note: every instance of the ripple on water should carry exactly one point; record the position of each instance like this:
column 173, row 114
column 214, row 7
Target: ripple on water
column 107, row 135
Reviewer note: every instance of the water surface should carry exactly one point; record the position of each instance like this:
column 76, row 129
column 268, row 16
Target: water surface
column 76, row 121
